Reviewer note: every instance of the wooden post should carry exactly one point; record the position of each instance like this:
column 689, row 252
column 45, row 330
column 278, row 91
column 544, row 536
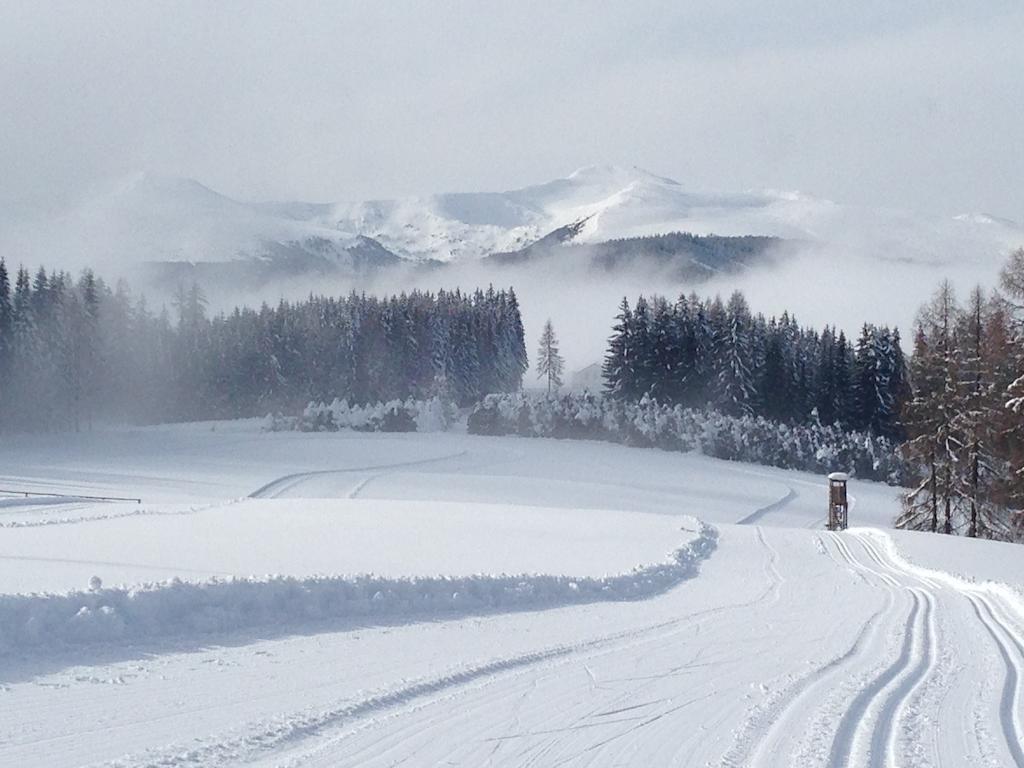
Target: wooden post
column 838, row 507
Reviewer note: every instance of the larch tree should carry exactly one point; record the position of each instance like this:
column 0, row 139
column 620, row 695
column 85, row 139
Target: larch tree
column 550, row 364
column 928, row 416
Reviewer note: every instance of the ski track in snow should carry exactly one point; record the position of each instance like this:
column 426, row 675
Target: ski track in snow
column 889, row 663
column 758, row 514
column 282, row 485
column 1010, row 653
column 791, row 647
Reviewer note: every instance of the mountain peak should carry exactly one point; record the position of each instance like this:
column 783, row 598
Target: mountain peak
column 617, row 174
column 152, row 184
column 986, row 219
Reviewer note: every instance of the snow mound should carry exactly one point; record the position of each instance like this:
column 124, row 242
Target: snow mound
column 39, row 623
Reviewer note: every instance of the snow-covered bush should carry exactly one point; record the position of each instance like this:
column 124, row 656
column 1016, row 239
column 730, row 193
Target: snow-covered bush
column 434, row 415
column 814, row 448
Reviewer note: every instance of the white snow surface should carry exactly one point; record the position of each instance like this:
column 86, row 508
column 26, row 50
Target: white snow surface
column 629, row 633
column 311, row 537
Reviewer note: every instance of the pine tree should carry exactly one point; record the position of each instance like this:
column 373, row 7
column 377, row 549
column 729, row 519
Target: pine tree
column 644, row 363
column 6, row 308
column 549, row 362
column 737, row 393
column 842, row 372
column 686, row 374
column 617, row 369
column 776, row 394
column 665, row 353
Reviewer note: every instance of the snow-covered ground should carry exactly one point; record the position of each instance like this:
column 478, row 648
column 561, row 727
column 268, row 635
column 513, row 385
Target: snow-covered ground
column 533, row 602
column 310, row 537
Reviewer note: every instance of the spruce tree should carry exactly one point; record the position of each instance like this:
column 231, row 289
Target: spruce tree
column 6, row 307
column 737, row 393
column 617, row 369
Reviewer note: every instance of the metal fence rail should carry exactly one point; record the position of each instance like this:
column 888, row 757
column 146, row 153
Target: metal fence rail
column 26, row 494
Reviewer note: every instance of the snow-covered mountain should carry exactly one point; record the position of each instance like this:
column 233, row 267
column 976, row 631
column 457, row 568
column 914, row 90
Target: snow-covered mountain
column 148, row 218
column 612, row 202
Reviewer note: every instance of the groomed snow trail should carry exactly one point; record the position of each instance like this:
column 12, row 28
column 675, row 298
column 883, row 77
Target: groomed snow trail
column 791, row 648
column 644, row 701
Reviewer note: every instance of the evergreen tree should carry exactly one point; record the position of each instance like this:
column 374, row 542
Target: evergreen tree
column 737, row 392
column 776, row 394
column 6, row 308
column 665, row 353
column 618, row 368
column 80, row 351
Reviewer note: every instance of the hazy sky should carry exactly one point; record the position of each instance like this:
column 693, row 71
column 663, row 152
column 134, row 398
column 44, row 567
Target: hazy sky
column 916, row 103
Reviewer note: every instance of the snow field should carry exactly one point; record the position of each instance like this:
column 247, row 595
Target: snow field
column 209, row 463
column 331, row 537
column 560, row 557
column 793, row 646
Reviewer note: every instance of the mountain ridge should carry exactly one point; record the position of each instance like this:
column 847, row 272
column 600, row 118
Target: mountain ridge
column 149, row 217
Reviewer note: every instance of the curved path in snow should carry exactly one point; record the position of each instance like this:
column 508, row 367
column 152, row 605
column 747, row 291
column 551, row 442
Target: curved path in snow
column 282, row 486
column 792, row 648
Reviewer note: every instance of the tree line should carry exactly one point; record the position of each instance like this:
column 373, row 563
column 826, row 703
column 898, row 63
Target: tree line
column 708, row 353
column 648, row 423
column 76, row 350
column 965, row 422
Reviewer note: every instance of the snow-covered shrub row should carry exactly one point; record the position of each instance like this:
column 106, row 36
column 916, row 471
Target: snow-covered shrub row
column 814, row 448
column 43, row 622
column 433, row 415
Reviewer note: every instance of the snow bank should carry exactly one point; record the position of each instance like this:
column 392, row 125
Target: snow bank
column 41, row 622
column 303, row 538
column 957, row 561
column 976, row 579
column 973, row 560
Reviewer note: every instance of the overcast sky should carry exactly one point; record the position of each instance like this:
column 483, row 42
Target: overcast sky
column 916, row 104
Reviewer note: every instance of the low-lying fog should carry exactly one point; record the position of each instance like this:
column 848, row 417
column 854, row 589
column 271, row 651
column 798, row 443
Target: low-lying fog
column 819, row 284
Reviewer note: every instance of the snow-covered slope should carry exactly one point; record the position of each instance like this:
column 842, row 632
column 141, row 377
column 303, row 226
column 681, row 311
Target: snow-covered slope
column 761, row 644
column 614, row 202
column 151, row 218
column 147, row 218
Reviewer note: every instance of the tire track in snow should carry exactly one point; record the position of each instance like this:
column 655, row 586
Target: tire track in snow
column 291, row 729
column 794, row 711
column 853, row 720
column 541, row 753
column 775, row 577
column 785, row 716
column 847, row 555
column 329, row 728
column 1009, row 699
column 757, row 514
column 882, row 738
column 1000, row 630
column 275, row 488
column 883, row 562
column 872, row 717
